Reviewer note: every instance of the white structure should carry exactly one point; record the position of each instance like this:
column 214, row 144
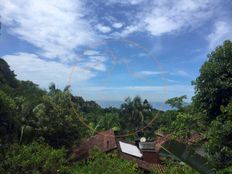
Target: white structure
column 130, row 149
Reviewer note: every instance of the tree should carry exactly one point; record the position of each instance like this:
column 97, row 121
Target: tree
column 110, row 121
column 184, row 124
column 219, row 136
column 213, row 87
column 9, row 125
column 165, row 120
column 52, row 87
column 56, row 119
column 134, row 113
column 6, row 75
column 176, row 102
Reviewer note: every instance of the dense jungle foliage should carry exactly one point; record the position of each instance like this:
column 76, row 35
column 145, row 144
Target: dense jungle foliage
column 38, row 127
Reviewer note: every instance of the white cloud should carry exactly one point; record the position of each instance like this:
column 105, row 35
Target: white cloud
column 168, row 16
column 56, row 27
column 182, row 73
column 149, row 73
column 117, row 25
column 128, row 30
column 95, row 63
column 162, row 17
column 158, row 26
column 160, row 88
column 154, row 73
column 170, row 80
column 152, row 93
column 222, row 31
column 141, row 88
column 91, row 53
column 131, row 2
column 31, row 67
column 94, row 60
column 103, row 28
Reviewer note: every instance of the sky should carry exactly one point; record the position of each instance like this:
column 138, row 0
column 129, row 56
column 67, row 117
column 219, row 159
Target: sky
column 110, row 49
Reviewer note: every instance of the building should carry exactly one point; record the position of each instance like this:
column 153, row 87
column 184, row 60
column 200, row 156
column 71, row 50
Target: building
column 145, row 155
column 104, row 141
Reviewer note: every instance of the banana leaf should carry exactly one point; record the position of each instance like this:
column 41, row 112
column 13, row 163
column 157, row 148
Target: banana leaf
column 186, row 154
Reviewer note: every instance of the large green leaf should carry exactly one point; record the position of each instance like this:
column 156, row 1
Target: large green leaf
column 186, row 154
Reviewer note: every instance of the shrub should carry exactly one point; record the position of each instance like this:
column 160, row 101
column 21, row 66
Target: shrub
column 34, row 158
column 180, row 169
column 227, row 170
column 101, row 163
column 177, row 168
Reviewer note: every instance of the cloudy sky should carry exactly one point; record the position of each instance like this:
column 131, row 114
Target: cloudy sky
column 110, row 49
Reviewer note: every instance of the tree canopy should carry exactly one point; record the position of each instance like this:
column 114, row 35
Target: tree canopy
column 176, row 102
column 213, row 87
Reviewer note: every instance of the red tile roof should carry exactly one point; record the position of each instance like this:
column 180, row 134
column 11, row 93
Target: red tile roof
column 104, row 141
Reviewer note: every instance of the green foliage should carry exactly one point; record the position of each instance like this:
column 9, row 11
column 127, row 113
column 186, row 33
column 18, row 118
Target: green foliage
column 56, row 119
column 27, row 96
column 101, row 163
column 6, row 75
column 179, row 169
column 176, row 102
column 135, row 114
column 86, row 107
column 109, row 121
column 184, row 124
column 165, row 120
column 219, row 135
column 227, row 170
column 213, row 87
column 33, row 158
column 7, row 104
column 8, row 118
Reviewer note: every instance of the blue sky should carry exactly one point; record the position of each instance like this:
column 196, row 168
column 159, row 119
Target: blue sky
column 110, row 49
